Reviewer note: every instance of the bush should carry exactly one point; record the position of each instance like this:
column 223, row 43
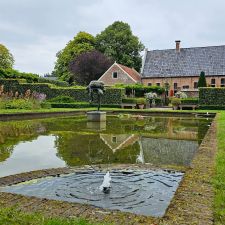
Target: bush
column 175, row 101
column 189, row 101
column 140, row 90
column 212, row 96
column 62, row 99
column 111, row 96
column 129, row 100
column 212, row 107
column 12, row 74
column 81, row 105
column 14, row 100
column 55, row 82
column 141, row 101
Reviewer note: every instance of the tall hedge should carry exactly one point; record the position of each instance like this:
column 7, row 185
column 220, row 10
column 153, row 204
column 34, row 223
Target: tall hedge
column 212, row 96
column 111, row 96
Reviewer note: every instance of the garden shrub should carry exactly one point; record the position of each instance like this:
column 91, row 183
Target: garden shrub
column 212, row 107
column 140, row 90
column 54, row 82
column 81, row 105
column 80, row 94
column 189, row 101
column 158, row 101
column 62, row 99
column 16, row 100
column 212, row 96
column 175, row 101
column 11, row 73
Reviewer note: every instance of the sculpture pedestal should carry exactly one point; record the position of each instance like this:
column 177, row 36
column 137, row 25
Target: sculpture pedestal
column 96, row 116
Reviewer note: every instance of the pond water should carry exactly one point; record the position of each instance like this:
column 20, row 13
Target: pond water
column 29, row 145
column 139, row 192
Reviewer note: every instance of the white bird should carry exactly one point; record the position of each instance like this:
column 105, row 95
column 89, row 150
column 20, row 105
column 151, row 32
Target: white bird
column 105, row 186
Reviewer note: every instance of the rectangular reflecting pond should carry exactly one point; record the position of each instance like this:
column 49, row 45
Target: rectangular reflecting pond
column 29, row 145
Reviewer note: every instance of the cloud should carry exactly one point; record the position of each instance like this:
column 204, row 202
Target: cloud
column 35, row 30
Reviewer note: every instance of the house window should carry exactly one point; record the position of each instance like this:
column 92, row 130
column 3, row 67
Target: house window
column 114, row 139
column 115, row 75
column 222, row 84
column 149, row 84
column 175, row 86
column 158, row 84
column 186, row 87
column 195, row 85
column 213, row 82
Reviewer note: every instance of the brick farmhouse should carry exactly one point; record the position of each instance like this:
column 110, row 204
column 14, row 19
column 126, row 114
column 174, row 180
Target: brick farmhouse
column 120, row 74
column 181, row 67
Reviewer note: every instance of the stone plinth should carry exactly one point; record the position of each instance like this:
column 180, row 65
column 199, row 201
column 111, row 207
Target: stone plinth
column 96, row 116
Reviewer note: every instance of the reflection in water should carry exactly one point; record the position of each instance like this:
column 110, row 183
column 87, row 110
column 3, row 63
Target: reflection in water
column 98, row 126
column 43, row 143
column 32, row 155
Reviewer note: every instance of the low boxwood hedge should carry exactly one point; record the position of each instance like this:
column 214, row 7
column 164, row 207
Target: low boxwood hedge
column 81, row 105
column 158, row 101
column 189, row 101
column 212, row 107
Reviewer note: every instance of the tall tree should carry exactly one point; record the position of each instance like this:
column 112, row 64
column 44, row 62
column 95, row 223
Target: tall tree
column 118, row 42
column 89, row 66
column 202, row 80
column 82, row 42
column 6, row 58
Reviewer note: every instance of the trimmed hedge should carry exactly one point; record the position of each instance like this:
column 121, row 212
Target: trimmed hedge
column 111, row 96
column 158, row 101
column 12, row 74
column 55, row 82
column 212, row 96
column 212, row 107
column 141, row 90
column 189, row 101
column 81, row 105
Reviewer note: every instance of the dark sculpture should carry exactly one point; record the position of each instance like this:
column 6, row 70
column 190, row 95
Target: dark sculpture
column 98, row 88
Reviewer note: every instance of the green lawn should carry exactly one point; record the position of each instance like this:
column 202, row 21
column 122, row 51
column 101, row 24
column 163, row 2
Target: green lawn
column 219, row 180
column 12, row 216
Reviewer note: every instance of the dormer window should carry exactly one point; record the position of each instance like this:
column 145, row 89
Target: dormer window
column 115, row 75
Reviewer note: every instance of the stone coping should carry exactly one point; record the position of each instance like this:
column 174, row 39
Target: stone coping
column 192, row 203
column 33, row 115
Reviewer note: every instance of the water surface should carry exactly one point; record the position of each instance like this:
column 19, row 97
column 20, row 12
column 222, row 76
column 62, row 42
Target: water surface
column 29, row 145
column 140, row 192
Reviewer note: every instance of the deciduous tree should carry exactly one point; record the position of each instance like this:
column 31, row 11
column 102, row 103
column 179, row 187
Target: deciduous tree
column 89, row 66
column 118, row 42
column 82, row 42
column 6, row 58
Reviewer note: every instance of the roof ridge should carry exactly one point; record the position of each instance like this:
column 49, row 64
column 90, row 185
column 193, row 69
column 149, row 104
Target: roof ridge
column 213, row 46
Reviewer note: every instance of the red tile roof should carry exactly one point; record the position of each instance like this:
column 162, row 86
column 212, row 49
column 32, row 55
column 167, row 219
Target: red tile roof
column 131, row 72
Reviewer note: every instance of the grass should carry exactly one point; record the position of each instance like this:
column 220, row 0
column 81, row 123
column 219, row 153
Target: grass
column 12, row 111
column 13, row 216
column 219, row 179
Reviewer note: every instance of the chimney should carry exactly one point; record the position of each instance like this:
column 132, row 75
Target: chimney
column 178, row 46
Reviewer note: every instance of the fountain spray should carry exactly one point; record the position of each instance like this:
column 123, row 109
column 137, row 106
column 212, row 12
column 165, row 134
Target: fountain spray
column 105, row 186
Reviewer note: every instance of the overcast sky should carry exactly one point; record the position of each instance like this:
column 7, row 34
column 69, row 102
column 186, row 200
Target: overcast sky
column 35, row 30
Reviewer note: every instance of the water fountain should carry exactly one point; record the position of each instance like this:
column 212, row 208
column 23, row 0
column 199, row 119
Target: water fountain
column 106, row 185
